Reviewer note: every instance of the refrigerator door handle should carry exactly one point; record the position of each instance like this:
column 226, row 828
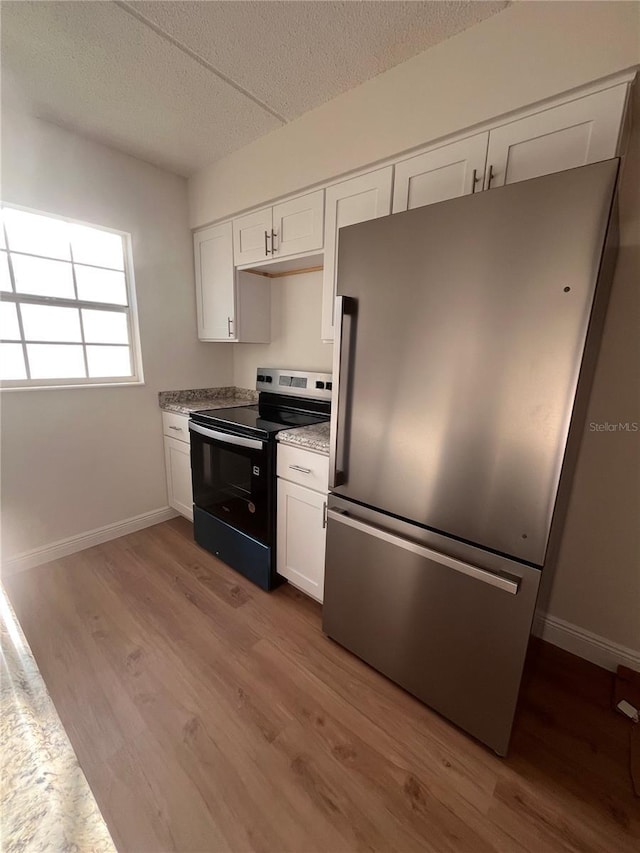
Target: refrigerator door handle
column 506, row 583
column 337, row 475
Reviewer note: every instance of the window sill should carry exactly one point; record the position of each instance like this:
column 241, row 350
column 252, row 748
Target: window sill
column 136, row 384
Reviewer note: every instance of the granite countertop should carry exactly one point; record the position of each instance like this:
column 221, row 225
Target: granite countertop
column 313, row 437
column 47, row 803
column 185, row 402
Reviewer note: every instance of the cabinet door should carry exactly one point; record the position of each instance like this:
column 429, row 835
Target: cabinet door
column 301, row 537
column 252, row 237
column 583, row 131
column 298, row 224
column 356, row 200
column 447, row 172
column 177, row 459
column 215, row 283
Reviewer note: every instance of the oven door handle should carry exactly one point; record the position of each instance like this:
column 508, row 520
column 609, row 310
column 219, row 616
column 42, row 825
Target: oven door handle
column 224, row 437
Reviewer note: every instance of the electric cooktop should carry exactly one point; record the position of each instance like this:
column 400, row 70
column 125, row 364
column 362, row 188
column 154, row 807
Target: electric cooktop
column 263, row 419
column 286, row 399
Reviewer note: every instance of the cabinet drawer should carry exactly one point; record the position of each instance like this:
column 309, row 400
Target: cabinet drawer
column 304, row 467
column 175, row 426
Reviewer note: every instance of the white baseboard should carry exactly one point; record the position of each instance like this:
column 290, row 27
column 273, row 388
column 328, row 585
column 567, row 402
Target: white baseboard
column 585, row 644
column 73, row 544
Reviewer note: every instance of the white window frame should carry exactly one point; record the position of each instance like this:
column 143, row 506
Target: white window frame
column 131, row 310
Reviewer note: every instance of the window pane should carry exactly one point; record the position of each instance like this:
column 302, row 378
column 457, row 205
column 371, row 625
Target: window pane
column 42, row 277
column 92, row 246
column 50, row 323
column 9, row 328
column 38, row 235
column 109, row 361
column 105, row 327
column 12, row 362
column 56, row 361
column 96, row 285
column 5, row 278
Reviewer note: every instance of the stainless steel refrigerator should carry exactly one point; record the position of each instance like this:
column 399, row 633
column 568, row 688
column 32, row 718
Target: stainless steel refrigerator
column 466, row 334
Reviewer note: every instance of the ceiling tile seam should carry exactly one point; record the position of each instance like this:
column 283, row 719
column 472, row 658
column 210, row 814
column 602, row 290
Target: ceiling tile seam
column 197, row 58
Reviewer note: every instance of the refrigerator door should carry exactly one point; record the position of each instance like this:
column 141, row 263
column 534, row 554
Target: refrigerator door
column 463, row 336
column 450, row 632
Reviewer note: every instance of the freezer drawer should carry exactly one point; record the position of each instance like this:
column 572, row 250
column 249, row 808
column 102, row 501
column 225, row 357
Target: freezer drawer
column 450, row 632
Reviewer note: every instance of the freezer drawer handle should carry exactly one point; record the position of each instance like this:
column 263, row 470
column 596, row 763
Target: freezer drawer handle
column 507, row 584
column 225, row 437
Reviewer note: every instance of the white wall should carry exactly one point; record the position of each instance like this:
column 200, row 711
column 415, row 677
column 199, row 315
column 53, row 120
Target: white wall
column 75, row 460
column 529, row 52
column 296, row 304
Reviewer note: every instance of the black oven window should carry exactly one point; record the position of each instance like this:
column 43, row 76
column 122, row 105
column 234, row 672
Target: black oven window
column 232, row 484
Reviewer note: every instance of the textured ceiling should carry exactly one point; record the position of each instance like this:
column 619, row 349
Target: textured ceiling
column 181, row 84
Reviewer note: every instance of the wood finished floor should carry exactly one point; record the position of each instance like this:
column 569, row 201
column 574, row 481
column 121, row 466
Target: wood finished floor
column 210, row 716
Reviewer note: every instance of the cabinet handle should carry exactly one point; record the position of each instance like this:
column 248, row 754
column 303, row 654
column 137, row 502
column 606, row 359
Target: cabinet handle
column 476, row 180
column 490, row 178
column 267, row 250
column 229, row 322
column 177, row 429
column 324, row 515
column 274, row 234
column 301, row 469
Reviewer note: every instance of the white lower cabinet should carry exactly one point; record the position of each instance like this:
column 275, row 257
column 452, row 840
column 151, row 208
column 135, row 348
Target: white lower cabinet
column 301, row 537
column 177, row 460
column 301, row 518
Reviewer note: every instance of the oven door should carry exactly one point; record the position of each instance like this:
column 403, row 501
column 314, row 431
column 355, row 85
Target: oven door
column 231, row 479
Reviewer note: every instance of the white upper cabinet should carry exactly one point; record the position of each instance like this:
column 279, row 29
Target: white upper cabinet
column 215, row 283
column 276, row 238
column 573, row 134
column 252, row 236
column 356, row 200
column 230, row 306
column 288, row 228
column 298, row 225
column 443, row 173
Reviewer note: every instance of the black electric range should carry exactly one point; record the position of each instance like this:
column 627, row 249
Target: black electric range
column 233, row 464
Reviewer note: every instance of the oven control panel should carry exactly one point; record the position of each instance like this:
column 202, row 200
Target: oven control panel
column 301, row 383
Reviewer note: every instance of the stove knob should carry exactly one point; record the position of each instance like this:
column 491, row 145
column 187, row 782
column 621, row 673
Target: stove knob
column 268, row 378
column 260, row 377
column 329, row 386
column 319, row 384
